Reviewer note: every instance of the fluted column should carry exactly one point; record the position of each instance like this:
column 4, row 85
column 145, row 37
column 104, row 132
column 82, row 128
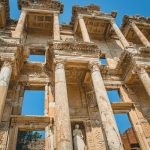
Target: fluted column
column 119, row 34
column 56, row 28
column 63, row 124
column 105, row 110
column 84, row 31
column 140, row 35
column 5, row 75
column 145, row 79
column 20, row 25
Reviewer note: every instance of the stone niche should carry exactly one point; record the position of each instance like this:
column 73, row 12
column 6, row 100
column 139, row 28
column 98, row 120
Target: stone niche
column 82, row 128
column 77, row 101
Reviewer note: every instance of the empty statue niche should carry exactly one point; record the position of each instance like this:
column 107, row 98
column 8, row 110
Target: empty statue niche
column 31, row 139
column 127, row 133
column 78, row 135
column 76, row 92
column 37, row 55
column 114, row 95
column 33, row 100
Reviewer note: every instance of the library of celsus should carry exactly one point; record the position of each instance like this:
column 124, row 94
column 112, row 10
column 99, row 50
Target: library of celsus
column 83, row 61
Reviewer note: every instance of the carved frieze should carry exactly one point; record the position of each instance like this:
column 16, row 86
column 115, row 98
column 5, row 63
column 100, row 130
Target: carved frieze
column 41, row 4
column 75, row 48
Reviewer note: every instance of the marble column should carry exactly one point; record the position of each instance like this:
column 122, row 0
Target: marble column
column 140, row 35
column 56, row 28
column 105, row 110
column 20, row 25
column 84, row 31
column 46, row 110
column 63, row 124
column 5, row 75
column 145, row 79
column 119, row 34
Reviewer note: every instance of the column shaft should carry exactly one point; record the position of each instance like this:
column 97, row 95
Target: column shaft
column 145, row 79
column 56, row 29
column 106, row 113
column 84, row 31
column 63, row 124
column 5, row 75
column 119, row 34
column 140, row 35
column 20, row 25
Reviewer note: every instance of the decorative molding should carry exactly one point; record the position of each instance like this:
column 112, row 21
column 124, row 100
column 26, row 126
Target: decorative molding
column 42, row 4
column 72, row 45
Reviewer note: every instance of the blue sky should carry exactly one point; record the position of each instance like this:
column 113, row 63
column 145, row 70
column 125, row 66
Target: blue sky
column 123, row 7
column 130, row 7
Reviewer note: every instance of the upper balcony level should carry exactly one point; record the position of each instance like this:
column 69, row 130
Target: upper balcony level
column 98, row 24
column 137, row 30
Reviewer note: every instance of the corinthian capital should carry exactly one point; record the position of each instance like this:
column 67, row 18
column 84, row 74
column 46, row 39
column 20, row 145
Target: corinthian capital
column 7, row 64
column 94, row 66
column 59, row 63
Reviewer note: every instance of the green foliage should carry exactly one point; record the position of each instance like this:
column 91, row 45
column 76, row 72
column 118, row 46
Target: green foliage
column 25, row 137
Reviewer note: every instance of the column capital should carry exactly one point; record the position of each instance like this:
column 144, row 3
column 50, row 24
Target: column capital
column 59, row 63
column 7, row 64
column 140, row 69
column 94, row 66
column 80, row 17
column 112, row 21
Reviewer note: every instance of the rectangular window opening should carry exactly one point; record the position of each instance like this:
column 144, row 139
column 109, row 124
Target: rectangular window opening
column 127, row 133
column 30, row 140
column 103, row 60
column 33, row 102
column 114, row 95
column 36, row 58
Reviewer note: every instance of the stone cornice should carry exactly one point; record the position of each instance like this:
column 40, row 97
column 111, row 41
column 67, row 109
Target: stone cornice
column 91, row 10
column 77, row 46
column 42, row 4
column 7, row 43
column 137, row 19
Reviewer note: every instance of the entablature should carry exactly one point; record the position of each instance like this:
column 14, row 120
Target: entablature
column 31, row 122
column 142, row 23
column 41, row 4
column 91, row 11
column 74, row 48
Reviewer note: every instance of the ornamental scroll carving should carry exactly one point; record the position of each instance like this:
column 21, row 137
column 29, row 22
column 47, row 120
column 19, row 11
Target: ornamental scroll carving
column 42, row 4
column 74, row 46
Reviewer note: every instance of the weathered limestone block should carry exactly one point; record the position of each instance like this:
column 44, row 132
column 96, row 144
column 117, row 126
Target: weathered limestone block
column 146, row 129
column 4, row 127
column 63, row 125
column 98, row 135
column 89, row 136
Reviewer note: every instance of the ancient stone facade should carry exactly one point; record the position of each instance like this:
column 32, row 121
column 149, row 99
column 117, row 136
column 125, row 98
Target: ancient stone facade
column 74, row 80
